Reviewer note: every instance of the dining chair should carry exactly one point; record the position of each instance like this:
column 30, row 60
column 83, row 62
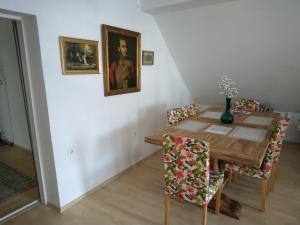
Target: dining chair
column 187, row 174
column 190, row 110
column 263, row 107
column 282, row 126
column 175, row 115
column 264, row 171
column 244, row 104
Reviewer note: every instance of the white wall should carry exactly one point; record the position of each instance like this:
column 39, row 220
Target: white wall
column 257, row 42
column 106, row 133
column 15, row 103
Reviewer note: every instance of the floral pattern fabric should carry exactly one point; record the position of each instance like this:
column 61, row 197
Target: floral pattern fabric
column 178, row 114
column 248, row 105
column 272, row 152
column 187, row 175
column 191, row 110
column 282, row 127
column 265, row 108
column 175, row 115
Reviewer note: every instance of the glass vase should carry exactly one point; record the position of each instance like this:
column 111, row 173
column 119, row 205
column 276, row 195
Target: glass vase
column 227, row 117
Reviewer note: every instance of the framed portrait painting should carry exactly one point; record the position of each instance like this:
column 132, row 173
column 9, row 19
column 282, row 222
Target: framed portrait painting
column 121, row 60
column 79, row 56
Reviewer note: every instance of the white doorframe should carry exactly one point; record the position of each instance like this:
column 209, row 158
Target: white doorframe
column 28, row 105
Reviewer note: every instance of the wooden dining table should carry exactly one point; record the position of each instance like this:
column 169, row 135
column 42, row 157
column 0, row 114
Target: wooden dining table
column 244, row 141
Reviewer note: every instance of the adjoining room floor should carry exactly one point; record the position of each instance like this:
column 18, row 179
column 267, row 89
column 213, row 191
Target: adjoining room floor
column 22, row 162
column 136, row 198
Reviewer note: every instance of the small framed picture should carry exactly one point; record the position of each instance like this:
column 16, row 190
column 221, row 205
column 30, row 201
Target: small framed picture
column 79, row 56
column 148, row 58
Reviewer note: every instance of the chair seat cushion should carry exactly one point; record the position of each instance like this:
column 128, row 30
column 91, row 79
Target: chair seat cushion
column 198, row 196
column 242, row 169
column 215, row 182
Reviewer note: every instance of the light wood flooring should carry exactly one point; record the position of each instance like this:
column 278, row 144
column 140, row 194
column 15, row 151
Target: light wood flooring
column 136, row 198
column 20, row 160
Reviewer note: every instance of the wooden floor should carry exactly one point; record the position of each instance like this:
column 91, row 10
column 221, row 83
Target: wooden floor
column 136, row 198
column 20, row 160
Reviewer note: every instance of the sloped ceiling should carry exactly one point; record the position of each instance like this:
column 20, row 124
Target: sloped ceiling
column 155, row 7
column 256, row 42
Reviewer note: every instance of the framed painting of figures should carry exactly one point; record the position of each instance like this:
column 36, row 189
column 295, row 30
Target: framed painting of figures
column 79, row 56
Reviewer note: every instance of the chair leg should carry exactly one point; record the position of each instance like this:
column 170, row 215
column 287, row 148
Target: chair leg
column 229, row 176
column 234, row 177
column 273, row 174
column 276, row 172
column 216, row 165
column 268, row 187
column 204, row 215
column 167, row 209
column 263, row 194
column 218, row 200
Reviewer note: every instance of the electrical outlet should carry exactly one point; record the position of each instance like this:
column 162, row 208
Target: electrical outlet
column 70, row 152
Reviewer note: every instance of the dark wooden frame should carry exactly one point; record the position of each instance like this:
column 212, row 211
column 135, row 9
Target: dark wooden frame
column 106, row 29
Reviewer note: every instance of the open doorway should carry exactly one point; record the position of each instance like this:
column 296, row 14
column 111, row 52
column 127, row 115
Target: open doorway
column 18, row 182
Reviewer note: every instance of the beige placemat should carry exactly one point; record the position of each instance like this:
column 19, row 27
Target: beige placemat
column 251, row 134
column 218, row 129
column 211, row 114
column 192, row 125
column 259, row 120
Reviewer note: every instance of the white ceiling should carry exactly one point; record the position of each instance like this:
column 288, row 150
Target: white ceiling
column 166, row 6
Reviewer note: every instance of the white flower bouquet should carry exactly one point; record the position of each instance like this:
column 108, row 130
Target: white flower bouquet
column 228, row 86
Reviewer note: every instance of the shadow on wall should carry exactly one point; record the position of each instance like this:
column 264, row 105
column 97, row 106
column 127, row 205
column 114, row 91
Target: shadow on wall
column 117, row 150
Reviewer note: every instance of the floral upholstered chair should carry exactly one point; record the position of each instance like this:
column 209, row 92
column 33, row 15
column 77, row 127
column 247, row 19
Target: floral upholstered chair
column 265, row 108
column 178, row 114
column 248, row 105
column 175, row 115
column 190, row 110
column 265, row 169
column 251, row 105
column 282, row 126
column 187, row 175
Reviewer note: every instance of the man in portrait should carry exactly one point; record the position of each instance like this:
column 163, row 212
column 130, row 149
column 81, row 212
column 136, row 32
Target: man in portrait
column 122, row 70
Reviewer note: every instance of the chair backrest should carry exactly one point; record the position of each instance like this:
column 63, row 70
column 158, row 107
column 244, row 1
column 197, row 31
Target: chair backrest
column 274, row 147
column 249, row 105
column 190, row 110
column 175, row 115
column 186, row 163
column 178, row 114
column 282, row 126
column 265, row 108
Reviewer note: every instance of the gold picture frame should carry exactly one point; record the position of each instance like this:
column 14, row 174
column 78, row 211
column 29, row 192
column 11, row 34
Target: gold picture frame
column 121, row 60
column 79, row 56
column 148, row 58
